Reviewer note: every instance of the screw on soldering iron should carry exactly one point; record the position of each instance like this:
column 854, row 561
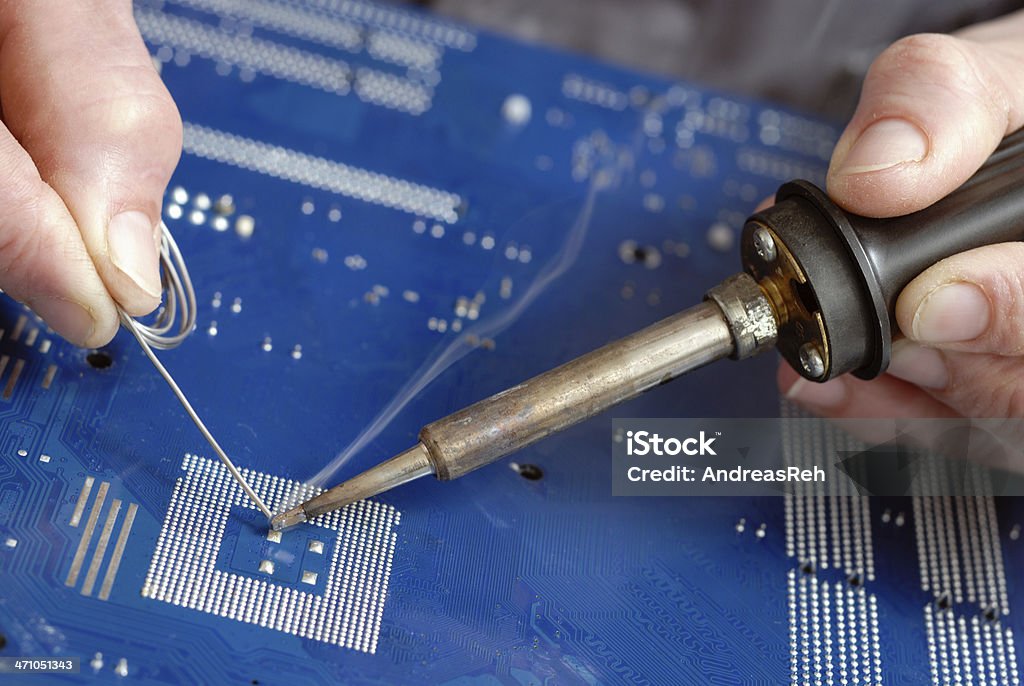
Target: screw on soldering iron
column 812, row 361
column 764, row 244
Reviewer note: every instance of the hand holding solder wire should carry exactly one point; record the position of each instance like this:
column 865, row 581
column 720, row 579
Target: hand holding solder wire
column 932, row 109
column 90, row 137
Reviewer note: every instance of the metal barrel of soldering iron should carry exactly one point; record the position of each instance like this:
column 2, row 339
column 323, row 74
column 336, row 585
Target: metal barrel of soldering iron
column 831, row 279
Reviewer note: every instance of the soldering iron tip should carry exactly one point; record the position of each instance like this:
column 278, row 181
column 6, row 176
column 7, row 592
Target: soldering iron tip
column 287, row 520
column 400, row 469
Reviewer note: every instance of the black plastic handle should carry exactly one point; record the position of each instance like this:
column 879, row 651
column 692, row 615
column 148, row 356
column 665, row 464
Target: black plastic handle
column 857, row 266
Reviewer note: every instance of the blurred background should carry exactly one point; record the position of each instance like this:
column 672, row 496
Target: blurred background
column 810, row 54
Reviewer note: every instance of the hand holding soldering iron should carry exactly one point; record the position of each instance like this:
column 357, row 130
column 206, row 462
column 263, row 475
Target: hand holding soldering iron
column 932, row 108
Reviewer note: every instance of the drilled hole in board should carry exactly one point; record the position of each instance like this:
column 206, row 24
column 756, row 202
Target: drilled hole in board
column 99, row 359
column 530, row 471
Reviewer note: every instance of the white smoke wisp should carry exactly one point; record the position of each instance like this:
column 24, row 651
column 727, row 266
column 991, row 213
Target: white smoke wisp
column 445, row 356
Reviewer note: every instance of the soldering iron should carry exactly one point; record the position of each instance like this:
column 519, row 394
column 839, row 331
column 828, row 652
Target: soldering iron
column 818, row 283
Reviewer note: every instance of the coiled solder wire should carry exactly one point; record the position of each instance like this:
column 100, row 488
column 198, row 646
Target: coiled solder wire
column 172, row 324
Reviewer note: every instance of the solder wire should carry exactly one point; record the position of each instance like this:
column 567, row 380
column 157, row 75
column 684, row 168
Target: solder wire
column 179, row 304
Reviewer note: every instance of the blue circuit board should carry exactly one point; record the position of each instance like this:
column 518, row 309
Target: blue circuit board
column 388, row 217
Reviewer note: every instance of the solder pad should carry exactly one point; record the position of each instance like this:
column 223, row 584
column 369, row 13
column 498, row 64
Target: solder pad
column 184, row 569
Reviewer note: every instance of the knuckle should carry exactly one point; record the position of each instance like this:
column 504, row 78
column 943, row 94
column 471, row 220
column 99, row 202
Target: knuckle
column 992, row 386
column 140, row 128
column 947, row 62
column 1005, row 290
column 929, row 54
column 1006, row 399
column 128, row 94
column 1015, row 401
column 141, row 113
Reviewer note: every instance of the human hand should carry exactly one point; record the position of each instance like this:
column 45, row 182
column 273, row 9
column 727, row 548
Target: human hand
column 88, row 142
column 932, row 109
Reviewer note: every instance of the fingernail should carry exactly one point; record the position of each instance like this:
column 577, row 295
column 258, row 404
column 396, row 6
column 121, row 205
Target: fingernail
column 922, row 366
column 68, row 318
column 950, row 313
column 824, row 395
column 884, row 144
column 130, row 241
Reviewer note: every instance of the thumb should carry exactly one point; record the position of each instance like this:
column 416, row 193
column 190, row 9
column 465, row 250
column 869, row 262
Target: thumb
column 932, row 109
